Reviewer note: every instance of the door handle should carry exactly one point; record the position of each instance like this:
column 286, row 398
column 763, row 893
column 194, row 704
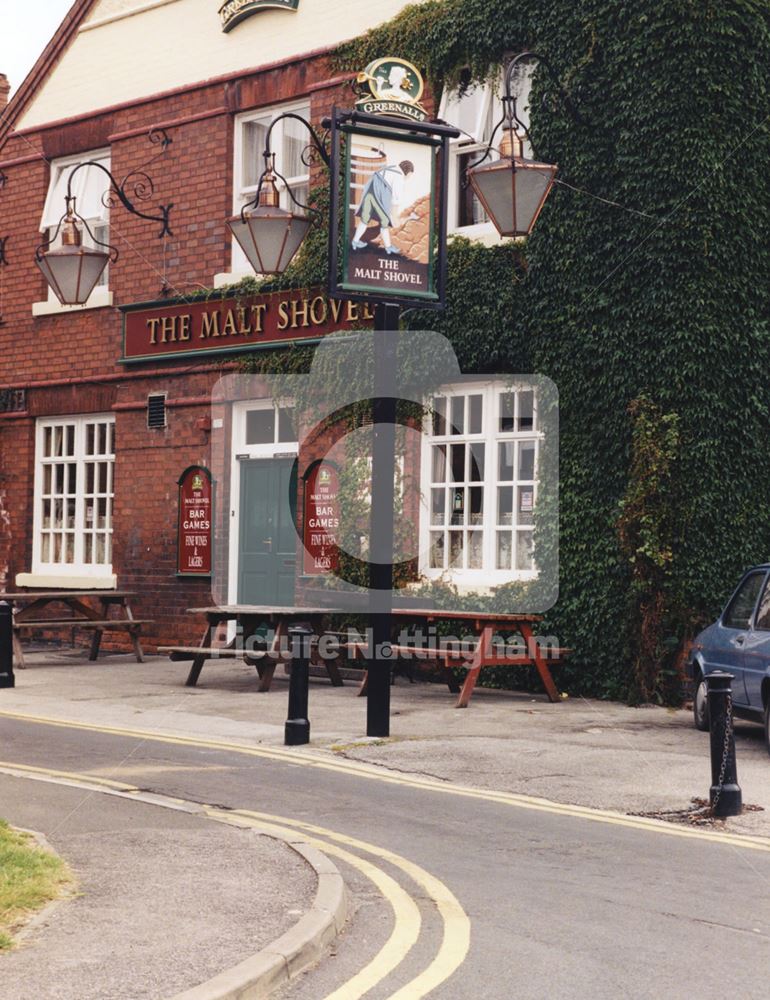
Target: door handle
column 268, row 542
column 739, row 640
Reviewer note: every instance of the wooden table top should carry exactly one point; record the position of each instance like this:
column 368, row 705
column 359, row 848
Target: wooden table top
column 238, row 610
column 62, row 595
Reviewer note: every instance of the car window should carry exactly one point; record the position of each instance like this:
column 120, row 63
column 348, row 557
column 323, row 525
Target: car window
column 739, row 609
column 763, row 611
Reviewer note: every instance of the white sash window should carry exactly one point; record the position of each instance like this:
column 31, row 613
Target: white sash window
column 479, row 475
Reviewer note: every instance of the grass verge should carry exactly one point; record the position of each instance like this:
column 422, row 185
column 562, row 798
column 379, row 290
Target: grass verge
column 29, row 878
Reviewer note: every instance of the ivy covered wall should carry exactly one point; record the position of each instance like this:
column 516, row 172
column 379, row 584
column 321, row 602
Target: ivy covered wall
column 617, row 307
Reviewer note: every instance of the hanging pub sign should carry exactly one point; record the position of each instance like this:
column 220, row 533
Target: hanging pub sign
column 392, row 208
column 322, row 519
column 234, row 11
column 196, row 510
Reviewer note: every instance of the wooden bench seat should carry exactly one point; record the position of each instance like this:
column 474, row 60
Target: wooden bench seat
column 178, row 653
column 42, row 623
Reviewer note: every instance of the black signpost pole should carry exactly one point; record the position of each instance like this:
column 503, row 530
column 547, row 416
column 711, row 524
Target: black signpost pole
column 386, row 316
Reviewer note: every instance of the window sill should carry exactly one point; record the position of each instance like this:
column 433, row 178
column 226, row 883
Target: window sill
column 68, row 581
column 98, row 299
column 225, row 278
column 484, row 233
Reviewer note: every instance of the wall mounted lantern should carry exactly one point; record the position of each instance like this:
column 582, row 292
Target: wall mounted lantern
column 270, row 235
column 72, row 269
column 513, row 188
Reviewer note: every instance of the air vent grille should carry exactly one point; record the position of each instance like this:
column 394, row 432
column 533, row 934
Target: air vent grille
column 156, row 411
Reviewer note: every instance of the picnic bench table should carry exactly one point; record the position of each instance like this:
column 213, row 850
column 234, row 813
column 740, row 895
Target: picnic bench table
column 82, row 615
column 480, row 653
column 250, row 618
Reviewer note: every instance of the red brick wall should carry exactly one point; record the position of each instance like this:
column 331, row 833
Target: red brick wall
column 53, row 356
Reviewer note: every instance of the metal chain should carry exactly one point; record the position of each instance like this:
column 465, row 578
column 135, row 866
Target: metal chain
column 725, row 748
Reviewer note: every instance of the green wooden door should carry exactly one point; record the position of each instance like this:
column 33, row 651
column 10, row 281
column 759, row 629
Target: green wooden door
column 267, row 551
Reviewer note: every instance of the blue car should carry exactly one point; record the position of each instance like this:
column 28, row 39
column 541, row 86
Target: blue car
column 739, row 643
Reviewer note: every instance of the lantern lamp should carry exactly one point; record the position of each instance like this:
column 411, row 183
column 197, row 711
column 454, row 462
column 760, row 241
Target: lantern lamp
column 512, row 189
column 269, row 235
column 72, row 270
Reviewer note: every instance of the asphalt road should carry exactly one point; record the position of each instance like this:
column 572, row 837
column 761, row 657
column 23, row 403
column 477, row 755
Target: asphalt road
column 557, row 905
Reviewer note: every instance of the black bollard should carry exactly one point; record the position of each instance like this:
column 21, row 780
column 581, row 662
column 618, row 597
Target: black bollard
column 7, row 679
column 725, row 795
column 297, row 728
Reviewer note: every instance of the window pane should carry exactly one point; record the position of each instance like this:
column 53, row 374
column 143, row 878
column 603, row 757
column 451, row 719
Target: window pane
column 763, row 611
column 456, row 548
column 526, row 504
column 90, row 439
column 477, row 462
column 458, row 414
column 294, row 141
column 507, row 402
column 439, row 416
column 470, row 211
column 458, row 506
column 476, row 501
column 45, row 548
column 503, row 550
column 253, row 147
column 260, row 426
column 437, row 506
column 474, row 414
column 70, row 440
column 458, row 463
column 46, row 479
column 439, row 463
column 526, row 460
column 475, row 550
column 524, row 550
column 437, row 550
column 286, row 430
column 526, row 411
column 505, row 505
column 505, row 467
column 742, row 605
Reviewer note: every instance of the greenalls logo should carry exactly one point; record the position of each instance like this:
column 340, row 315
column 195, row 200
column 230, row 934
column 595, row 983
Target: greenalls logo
column 391, row 87
column 235, row 11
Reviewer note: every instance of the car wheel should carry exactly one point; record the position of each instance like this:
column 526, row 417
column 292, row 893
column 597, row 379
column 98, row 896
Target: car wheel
column 700, row 704
column 767, row 725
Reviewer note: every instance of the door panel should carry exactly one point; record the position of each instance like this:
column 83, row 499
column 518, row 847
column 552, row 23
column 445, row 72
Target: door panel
column 726, row 652
column 268, row 541
column 757, row 651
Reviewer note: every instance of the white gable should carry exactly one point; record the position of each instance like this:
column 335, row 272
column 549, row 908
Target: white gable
column 127, row 49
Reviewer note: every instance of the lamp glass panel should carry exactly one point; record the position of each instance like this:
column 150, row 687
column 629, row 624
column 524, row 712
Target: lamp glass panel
column 502, row 190
column 270, row 241
column 73, row 275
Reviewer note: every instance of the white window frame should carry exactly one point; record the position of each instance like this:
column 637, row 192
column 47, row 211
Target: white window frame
column 491, row 436
column 244, row 193
column 53, row 210
column 79, row 567
column 490, row 111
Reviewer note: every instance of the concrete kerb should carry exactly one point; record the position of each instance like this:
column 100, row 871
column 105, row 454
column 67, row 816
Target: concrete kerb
column 285, row 958
column 39, row 919
column 293, row 952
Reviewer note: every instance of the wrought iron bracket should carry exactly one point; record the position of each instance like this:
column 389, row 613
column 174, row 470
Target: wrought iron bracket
column 136, row 186
column 316, row 145
column 510, row 119
column 3, row 258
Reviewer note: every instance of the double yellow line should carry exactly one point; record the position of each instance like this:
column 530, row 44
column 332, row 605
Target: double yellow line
column 312, row 759
column 407, row 920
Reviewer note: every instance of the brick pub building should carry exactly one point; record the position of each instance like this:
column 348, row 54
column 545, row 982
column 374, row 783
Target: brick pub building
column 103, row 407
